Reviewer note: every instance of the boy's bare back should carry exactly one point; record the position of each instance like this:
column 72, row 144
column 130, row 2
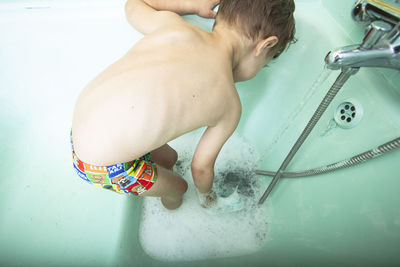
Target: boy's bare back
column 171, row 82
column 176, row 79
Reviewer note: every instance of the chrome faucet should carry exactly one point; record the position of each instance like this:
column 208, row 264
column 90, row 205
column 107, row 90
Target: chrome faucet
column 381, row 44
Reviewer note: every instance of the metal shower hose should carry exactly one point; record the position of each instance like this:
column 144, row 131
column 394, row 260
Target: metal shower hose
column 372, row 153
column 340, row 81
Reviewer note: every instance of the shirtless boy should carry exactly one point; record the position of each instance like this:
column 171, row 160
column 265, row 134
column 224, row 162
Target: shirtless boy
column 176, row 79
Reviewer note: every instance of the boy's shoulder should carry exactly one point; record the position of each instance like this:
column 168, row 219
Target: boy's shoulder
column 183, row 30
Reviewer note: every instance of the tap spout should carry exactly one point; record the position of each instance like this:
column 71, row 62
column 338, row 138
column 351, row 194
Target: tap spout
column 380, row 48
column 354, row 56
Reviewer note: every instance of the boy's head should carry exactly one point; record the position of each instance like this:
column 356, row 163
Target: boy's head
column 260, row 19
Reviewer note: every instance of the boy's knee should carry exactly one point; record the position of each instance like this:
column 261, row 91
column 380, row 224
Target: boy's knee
column 173, row 157
column 183, row 187
column 180, row 188
column 170, row 159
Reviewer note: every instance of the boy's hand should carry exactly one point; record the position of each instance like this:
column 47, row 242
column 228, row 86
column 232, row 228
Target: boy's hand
column 204, row 8
column 145, row 17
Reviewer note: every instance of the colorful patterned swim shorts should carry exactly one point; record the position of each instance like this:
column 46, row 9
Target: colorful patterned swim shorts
column 133, row 177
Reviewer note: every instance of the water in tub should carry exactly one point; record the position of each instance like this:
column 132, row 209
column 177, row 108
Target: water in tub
column 190, row 232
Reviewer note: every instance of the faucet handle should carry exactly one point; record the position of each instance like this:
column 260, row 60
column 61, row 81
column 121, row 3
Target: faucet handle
column 375, row 32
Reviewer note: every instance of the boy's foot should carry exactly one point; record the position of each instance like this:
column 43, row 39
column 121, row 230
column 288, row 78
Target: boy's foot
column 170, row 203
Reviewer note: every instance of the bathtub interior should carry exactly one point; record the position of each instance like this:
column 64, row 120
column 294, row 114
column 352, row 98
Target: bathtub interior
column 54, row 48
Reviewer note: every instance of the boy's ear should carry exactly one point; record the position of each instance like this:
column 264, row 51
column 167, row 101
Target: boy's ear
column 268, row 42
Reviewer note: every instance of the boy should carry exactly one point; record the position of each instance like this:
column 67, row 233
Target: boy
column 176, row 79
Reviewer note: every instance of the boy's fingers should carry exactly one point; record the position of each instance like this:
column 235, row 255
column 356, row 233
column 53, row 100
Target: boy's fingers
column 212, row 14
column 208, row 14
column 207, row 10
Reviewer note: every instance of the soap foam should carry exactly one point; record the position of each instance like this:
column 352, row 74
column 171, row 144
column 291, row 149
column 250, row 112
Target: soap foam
column 190, row 232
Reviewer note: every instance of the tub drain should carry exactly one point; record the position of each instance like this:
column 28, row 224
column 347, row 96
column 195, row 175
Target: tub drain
column 348, row 114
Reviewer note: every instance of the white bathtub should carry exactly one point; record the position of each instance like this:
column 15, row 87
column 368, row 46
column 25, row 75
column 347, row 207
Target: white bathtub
column 49, row 50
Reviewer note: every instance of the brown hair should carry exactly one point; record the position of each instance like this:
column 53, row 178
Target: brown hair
column 261, row 18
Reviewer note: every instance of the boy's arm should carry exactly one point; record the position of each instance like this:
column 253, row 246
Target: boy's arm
column 148, row 15
column 209, row 147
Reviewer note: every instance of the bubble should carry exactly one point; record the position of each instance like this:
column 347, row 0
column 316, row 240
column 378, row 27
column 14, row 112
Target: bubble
column 190, row 232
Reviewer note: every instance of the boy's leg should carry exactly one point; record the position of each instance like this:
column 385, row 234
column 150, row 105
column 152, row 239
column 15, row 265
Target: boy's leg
column 165, row 156
column 169, row 186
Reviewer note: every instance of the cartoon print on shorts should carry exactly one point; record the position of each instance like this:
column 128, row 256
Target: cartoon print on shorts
column 145, row 183
column 136, row 189
column 117, row 169
column 134, row 177
column 95, row 169
column 148, row 173
column 116, row 180
column 114, row 188
column 109, row 187
column 81, row 174
column 114, row 170
column 97, row 178
column 78, row 164
column 97, row 174
column 119, row 176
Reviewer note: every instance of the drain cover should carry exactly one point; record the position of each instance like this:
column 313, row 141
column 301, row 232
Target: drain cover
column 348, row 114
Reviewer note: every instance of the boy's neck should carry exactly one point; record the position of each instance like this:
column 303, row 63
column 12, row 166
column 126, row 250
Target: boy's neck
column 232, row 43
